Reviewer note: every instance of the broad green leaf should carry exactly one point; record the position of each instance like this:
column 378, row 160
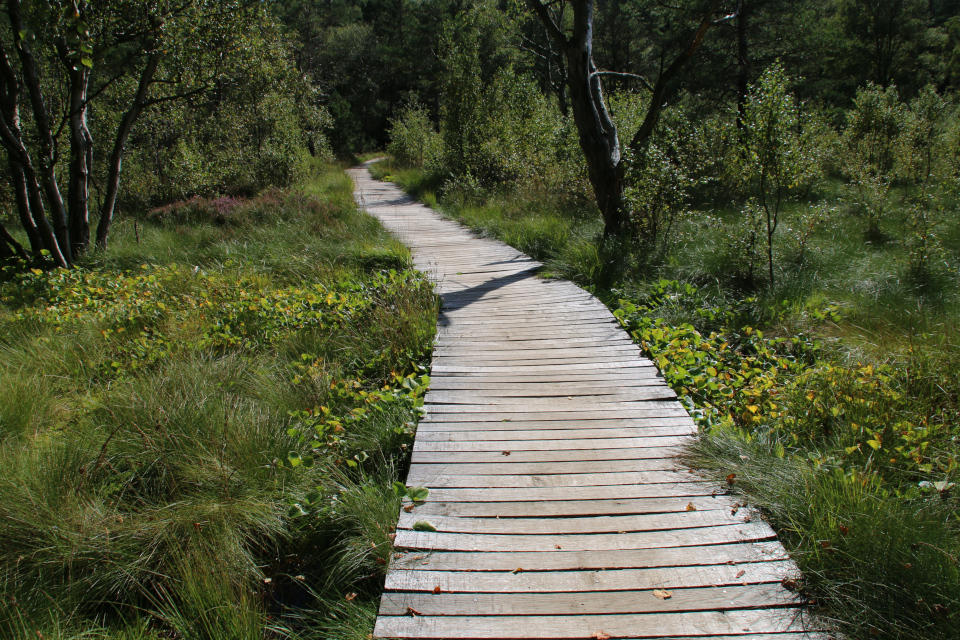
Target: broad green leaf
column 423, row 525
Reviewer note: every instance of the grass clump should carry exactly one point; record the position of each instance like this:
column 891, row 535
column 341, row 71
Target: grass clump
column 200, row 428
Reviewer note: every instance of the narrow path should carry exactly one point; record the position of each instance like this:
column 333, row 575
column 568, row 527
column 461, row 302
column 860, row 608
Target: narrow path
column 548, row 451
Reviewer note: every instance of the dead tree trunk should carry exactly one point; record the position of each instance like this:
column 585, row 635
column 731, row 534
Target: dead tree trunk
column 596, row 130
column 598, row 135
column 81, row 158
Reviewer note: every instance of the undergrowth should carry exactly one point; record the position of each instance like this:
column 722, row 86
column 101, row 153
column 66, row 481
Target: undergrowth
column 201, row 427
column 829, row 401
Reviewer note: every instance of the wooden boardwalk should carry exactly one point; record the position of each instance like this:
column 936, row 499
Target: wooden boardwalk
column 548, row 450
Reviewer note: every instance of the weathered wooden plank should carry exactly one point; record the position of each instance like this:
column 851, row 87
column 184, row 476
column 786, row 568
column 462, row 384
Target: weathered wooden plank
column 556, row 398
column 507, row 435
column 637, row 393
column 530, row 331
column 464, row 345
column 498, row 467
column 577, row 455
column 588, row 603
column 441, row 479
column 575, row 523
column 528, row 581
column 651, row 625
column 639, row 409
column 602, row 381
column 557, row 369
column 560, row 508
column 551, row 353
column 540, row 563
column 621, row 492
column 647, row 425
column 552, row 445
column 597, row 542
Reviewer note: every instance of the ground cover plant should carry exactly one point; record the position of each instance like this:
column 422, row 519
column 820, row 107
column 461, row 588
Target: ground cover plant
column 200, row 429
column 800, row 293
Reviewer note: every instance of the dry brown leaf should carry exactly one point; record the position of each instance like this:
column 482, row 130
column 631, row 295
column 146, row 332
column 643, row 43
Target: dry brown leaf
column 409, row 508
column 413, row 612
column 601, row 635
column 350, row 596
column 739, row 574
column 517, row 570
column 663, row 594
column 557, row 546
column 731, row 479
column 506, row 453
column 691, row 507
column 436, row 590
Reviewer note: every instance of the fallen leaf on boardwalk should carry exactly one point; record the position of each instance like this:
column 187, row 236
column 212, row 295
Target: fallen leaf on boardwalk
column 409, row 508
column 739, row 574
column 423, row 525
column 436, row 590
column 517, row 570
column 787, row 583
column 557, row 546
column 663, row 594
column 350, row 596
column 506, row 453
column 732, row 478
column 413, row 612
column 691, row 507
column 601, row 635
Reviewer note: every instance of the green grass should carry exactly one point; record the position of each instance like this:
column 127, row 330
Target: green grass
column 200, row 427
column 840, row 419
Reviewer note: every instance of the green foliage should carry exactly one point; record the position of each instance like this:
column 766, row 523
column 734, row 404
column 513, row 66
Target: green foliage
column 260, row 130
column 775, row 157
column 873, row 561
column 663, row 177
column 729, row 377
column 208, row 451
column 871, row 142
column 414, row 141
column 853, row 464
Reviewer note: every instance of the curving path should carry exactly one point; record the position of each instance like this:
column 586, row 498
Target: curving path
column 548, row 451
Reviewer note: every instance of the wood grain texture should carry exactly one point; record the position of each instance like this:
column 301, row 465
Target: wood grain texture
column 549, row 447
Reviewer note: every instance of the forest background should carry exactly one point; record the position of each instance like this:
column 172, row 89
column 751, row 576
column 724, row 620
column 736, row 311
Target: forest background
column 785, row 245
